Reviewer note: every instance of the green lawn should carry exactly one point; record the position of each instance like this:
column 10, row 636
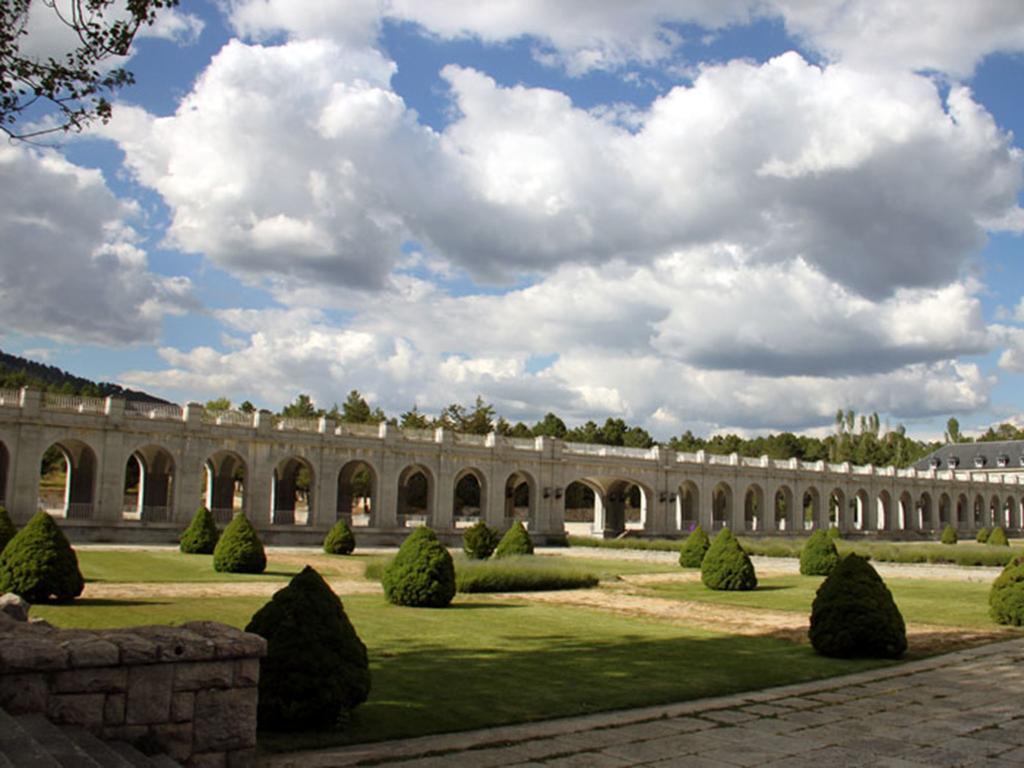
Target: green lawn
column 482, row 663
column 953, row 603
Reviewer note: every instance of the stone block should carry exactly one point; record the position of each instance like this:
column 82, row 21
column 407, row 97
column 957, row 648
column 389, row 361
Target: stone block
column 133, row 649
column 76, row 708
column 21, row 651
column 225, row 720
column 183, row 705
column 208, row 760
column 247, row 673
column 14, row 606
column 175, row 739
column 204, row 674
column 149, row 694
column 113, row 709
column 23, row 693
column 230, row 643
column 131, row 734
column 91, row 680
column 86, row 650
column 178, row 643
column 242, row 758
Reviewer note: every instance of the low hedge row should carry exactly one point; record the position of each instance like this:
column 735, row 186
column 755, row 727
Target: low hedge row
column 519, row 574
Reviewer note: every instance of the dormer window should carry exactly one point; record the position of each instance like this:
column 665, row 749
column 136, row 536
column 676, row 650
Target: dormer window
column 1003, row 460
column 936, row 462
column 979, row 461
column 954, row 461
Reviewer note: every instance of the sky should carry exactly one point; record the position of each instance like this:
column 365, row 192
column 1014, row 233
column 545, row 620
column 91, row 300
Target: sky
column 715, row 215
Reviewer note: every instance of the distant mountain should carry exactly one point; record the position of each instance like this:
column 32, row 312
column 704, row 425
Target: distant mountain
column 17, row 372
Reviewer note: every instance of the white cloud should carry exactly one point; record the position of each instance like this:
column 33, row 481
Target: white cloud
column 70, row 266
column 174, row 25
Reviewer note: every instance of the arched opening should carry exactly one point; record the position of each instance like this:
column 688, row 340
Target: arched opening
column 149, row 485
column 925, row 513
column 584, row 514
column 415, row 496
column 945, row 511
column 978, row 512
column 963, row 513
column 784, row 509
column 469, row 498
column 5, row 462
column 1012, row 513
column 226, row 480
column 357, row 488
column 67, row 480
column 996, row 512
column 753, row 508
column 721, row 506
column 520, row 498
column 885, row 519
column 905, row 513
column 838, row 512
column 292, row 491
column 687, row 506
column 811, row 507
column 862, row 511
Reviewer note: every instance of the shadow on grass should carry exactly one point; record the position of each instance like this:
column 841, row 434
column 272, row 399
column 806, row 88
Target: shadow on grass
column 103, row 602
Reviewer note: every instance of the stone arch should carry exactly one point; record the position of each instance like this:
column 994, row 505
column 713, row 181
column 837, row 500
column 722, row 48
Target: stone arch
column 978, row 510
column 150, row 471
column 357, row 492
column 291, row 491
column 838, row 513
column 520, row 498
column 810, row 508
column 784, row 509
column 1012, row 513
column 469, row 497
column 721, row 506
column 861, row 506
column 906, row 512
column 687, row 506
column 945, row 510
column 5, row 463
column 753, row 508
column 995, row 512
column 963, row 513
column 70, row 464
column 583, row 509
column 415, row 496
column 884, row 521
column 925, row 512
column 227, row 480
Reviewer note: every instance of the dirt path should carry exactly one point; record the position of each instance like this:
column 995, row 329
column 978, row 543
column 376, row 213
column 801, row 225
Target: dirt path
column 138, row 590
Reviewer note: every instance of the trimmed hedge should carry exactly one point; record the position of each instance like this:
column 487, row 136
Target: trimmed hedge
column 340, row 540
column 982, row 536
column 239, row 549
column 7, row 529
column 949, row 535
column 833, row 533
column 520, row 574
column 854, row 615
column 422, row 574
column 316, row 668
column 726, row 565
column 691, row 554
column 39, row 564
column 1006, row 598
column 819, row 555
column 997, row 538
column 479, row 541
column 200, row 538
column 516, row 541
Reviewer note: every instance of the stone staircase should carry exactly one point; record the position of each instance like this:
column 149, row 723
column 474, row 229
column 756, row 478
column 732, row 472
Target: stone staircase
column 33, row 741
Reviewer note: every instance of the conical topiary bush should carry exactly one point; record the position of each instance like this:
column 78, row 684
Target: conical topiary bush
column 340, row 540
column 691, row 554
column 316, row 667
column 516, row 541
column 1006, row 598
column 7, row 529
column 39, row 564
column 201, row 536
column 479, row 541
column 949, row 535
column 819, row 555
column 833, row 533
column 997, row 538
column 982, row 536
column 854, row 615
column 422, row 574
column 239, row 549
column 726, row 565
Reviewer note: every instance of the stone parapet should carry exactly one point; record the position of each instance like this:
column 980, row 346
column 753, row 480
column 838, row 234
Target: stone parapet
column 188, row 691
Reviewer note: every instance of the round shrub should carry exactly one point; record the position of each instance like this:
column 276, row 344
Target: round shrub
column 691, row 554
column 39, row 564
column 982, row 535
column 854, row 615
column 1006, row 598
column 516, row 541
column 239, row 549
column 479, row 541
column 340, row 540
column 949, row 535
column 819, row 555
column 726, row 565
column 7, row 529
column 316, row 668
column 422, row 574
column 997, row 537
column 201, row 536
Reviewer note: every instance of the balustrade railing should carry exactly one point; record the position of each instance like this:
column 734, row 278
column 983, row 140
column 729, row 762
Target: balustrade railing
column 420, row 435
column 357, row 430
column 10, row 398
column 413, row 521
column 167, row 412
column 291, row 424
column 468, row 439
column 521, row 443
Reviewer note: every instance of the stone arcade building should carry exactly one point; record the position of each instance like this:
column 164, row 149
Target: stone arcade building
column 295, row 477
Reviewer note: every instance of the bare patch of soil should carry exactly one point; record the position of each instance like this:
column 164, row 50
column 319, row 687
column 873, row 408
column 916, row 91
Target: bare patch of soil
column 116, row 591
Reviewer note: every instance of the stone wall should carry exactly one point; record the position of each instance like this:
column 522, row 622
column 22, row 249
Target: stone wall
column 188, row 691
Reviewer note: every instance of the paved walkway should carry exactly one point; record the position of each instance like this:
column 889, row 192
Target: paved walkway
column 961, row 709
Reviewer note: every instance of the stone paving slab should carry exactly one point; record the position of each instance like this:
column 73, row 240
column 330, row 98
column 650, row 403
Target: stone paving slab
column 959, row 709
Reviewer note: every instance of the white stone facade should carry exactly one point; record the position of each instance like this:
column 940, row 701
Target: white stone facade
column 187, row 456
